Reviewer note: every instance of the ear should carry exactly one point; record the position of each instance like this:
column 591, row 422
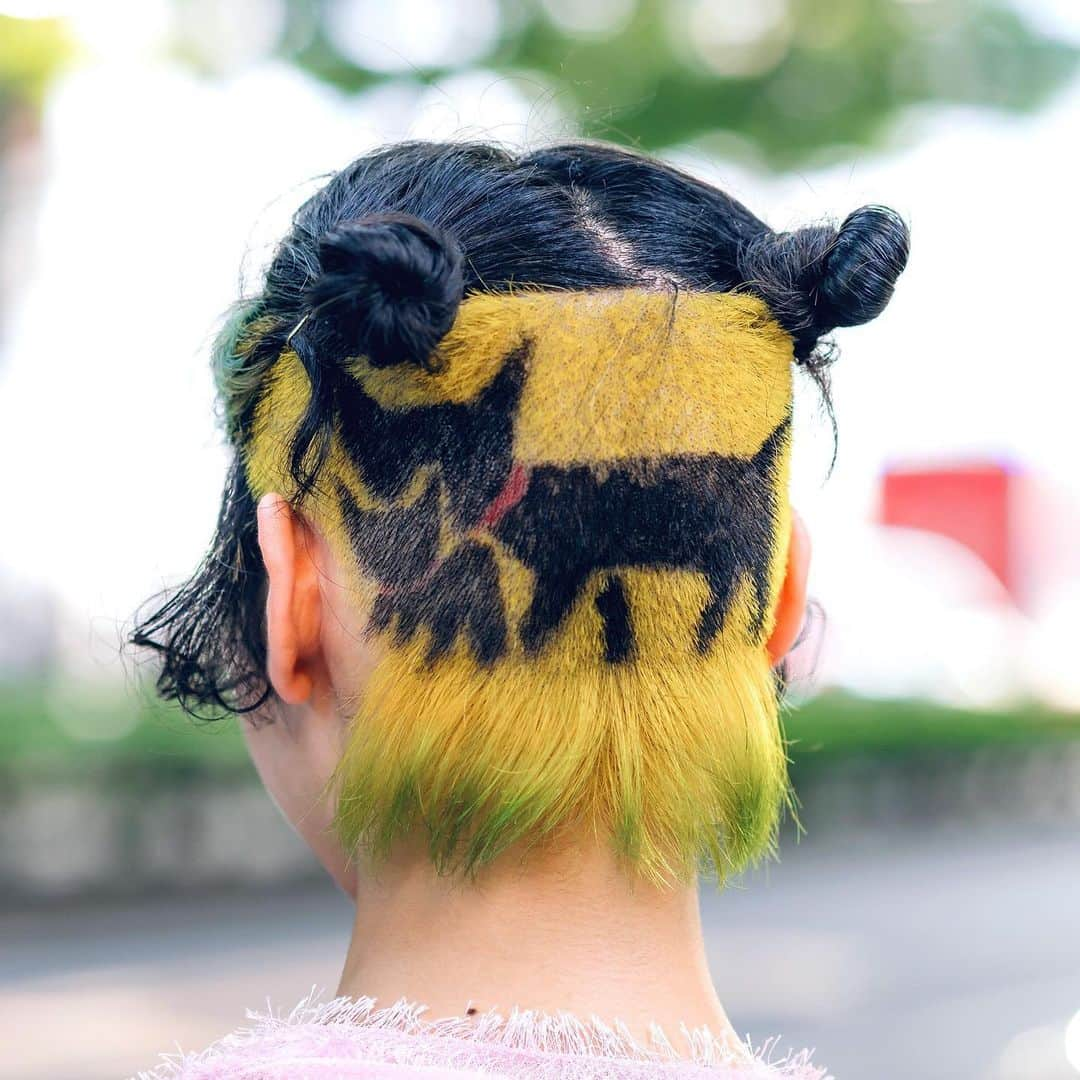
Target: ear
column 791, row 603
column 293, row 602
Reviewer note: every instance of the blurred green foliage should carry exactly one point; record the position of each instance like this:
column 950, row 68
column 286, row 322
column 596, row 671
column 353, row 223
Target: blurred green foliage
column 32, row 53
column 789, row 80
column 838, row 724
column 48, row 731
column 67, row 730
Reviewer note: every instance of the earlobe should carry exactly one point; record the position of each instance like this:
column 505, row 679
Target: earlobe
column 292, row 601
column 791, row 603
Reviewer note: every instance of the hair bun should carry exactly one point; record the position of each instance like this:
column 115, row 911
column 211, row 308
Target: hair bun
column 388, row 289
column 861, row 267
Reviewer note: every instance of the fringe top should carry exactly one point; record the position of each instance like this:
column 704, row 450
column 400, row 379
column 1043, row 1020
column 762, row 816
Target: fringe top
column 349, row 1039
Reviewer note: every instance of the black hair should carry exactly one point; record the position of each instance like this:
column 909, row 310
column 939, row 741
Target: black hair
column 819, row 278
column 376, row 264
column 389, row 289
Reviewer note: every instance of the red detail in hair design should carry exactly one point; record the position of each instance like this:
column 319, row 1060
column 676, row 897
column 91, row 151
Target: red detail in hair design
column 513, row 491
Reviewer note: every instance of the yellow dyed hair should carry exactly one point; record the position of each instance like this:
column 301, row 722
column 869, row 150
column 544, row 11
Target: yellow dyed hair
column 674, row 753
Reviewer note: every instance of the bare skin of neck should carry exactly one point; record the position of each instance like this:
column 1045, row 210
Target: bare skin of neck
column 563, row 930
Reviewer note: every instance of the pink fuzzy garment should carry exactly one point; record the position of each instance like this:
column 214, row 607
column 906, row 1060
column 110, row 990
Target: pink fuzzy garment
column 349, row 1039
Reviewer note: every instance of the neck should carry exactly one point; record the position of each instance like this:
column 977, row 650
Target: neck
column 565, row 930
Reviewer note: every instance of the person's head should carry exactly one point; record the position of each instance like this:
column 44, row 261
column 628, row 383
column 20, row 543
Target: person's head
column 506, row 549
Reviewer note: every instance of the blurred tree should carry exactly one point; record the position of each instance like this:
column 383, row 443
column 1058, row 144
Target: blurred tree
column 791, row 79
column 32, row 52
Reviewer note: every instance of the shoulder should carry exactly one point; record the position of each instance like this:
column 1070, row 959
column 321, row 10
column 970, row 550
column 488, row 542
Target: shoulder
column 284, row 1051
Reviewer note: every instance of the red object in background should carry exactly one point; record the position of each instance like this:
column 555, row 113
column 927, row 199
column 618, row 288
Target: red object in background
column 975, row 505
